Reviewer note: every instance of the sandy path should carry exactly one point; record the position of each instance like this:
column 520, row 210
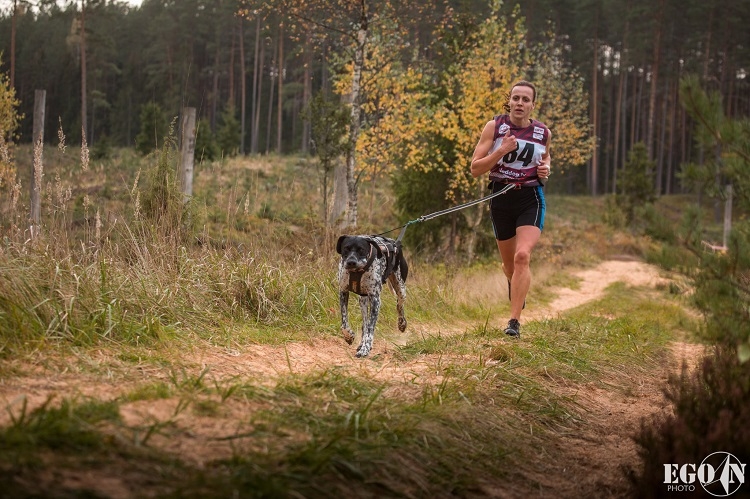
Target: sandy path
column 591, row 458
column 264, row 363
column 595, row 280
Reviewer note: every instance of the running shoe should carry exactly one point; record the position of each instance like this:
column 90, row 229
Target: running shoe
column 514, row 328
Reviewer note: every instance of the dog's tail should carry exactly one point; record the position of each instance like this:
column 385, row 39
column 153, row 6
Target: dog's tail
column 402, row 267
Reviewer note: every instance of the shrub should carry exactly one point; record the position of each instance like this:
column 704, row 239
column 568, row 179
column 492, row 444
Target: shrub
column 154, row 128
column 9, row 119
column 102, row 148
column 416, row 196
column 711, row 409
column 722, row 290
column 229, row 135
column 163, row 202
column 614, row 214
column 206, row 148
column 657, row 225
column 636, row 186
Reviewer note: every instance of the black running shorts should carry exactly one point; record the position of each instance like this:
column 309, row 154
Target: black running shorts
column 516, row 208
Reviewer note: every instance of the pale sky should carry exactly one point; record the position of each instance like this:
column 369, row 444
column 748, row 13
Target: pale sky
column 9, row 3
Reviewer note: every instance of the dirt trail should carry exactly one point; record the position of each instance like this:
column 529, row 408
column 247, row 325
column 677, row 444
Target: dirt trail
column 322, row 353
column 594, row 456
column 588, row 459
column 595, row 280
column 596, row 451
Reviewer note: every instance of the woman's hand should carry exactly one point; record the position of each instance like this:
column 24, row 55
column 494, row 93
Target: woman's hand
column 544, row 169
column 508, row 144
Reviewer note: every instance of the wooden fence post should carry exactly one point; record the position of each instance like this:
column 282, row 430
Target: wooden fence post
column 187, row 151
column 37, row 166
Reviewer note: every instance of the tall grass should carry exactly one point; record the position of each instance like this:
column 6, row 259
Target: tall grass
column 135, row 276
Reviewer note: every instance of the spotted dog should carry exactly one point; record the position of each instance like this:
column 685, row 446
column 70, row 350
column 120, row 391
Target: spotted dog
column 367, row 262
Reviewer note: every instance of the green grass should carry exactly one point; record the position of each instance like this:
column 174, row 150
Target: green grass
column 152, row 391
column 259, row 280
column 70, row 427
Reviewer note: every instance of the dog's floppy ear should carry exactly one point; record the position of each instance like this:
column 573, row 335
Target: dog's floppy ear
column 339, row 243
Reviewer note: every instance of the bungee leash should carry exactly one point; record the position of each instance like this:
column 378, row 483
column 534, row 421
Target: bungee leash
column 446, row 211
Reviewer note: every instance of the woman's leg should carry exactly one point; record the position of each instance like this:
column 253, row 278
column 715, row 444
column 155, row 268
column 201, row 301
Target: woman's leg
column 507, row 250
column 516, row 256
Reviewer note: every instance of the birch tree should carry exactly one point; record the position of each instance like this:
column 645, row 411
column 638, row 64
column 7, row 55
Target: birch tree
column 418, row 114
column 350, row 23
column 562, row 106
column 9, row 120
column 430, row 119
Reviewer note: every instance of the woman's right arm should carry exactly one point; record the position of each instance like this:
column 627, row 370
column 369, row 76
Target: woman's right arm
column 481, row 161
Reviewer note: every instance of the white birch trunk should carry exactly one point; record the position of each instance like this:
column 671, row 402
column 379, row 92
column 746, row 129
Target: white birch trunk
column 474, row 217
column 354, row 127
column 340, row 195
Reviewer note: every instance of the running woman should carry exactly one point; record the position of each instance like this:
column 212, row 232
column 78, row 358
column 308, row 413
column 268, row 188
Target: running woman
column 515, row 149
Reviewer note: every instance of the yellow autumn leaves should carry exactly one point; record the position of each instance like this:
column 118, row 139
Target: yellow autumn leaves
column 9, row 119
column 419, row 117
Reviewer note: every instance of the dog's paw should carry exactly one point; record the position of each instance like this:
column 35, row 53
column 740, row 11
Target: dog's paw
column 401, row 324
column 348, row 336
column 362, row 352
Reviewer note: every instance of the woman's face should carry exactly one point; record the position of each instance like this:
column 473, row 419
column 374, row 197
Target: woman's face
column 521, row 102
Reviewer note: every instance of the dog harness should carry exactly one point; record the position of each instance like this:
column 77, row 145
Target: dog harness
column 388, row 249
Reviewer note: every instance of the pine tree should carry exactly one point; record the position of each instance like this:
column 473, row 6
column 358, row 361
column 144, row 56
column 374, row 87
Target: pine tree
column 154, row 128
column 328, row 128
column 228, row 137
column 206, row 148
column 722, row 279
column 636, row 187
column 711, row 405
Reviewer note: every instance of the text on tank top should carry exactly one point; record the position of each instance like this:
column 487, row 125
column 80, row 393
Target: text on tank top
column 519, row 166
